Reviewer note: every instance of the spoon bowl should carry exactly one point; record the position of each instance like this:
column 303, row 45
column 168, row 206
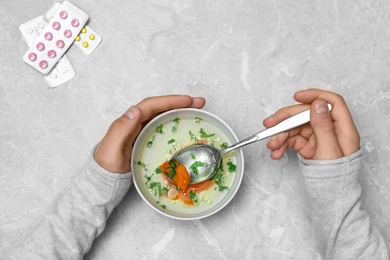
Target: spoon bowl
column 209, row 156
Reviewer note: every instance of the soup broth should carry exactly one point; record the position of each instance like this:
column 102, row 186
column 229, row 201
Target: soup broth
column 164, row 141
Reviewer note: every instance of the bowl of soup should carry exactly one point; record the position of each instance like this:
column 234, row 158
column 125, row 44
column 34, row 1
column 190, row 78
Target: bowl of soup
column 164, row 136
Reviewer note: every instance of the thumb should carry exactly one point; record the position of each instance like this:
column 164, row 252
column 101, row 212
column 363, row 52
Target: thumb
column 327, row 144
column 123, row 127
column 110, row 152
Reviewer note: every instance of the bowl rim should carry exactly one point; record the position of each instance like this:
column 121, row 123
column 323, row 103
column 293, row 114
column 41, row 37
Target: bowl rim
column 239, row 157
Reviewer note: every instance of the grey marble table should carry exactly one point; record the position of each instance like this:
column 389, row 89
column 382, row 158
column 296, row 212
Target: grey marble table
column 247, row 58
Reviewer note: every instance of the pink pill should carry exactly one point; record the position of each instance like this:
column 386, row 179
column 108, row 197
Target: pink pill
column 56, row 26
column 75, row 22
column 68, row 33
column 51, row 54
column 40, row 46
column 43, row 64
column 32, row 56
column 60, row 44
column 48, row 36
column 63, row 14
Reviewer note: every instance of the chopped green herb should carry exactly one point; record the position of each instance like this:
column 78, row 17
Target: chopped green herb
column 195, row 165
column 148, row 178
column 171, row 141
column 231, row 167
column 203, row 134
column 162, row 205
column 172, row 168
column 219, row 169
column 156, row 186
column 193, row 197
column 158, row 170
column 192, row 135
column 165, row 190
column 150, row 143
column 142, row 165
column 222, row 188
column 175, row 121
column 224, row 145
column 193, row 156
column 218, row 178
column 159, row 129
column 198, row 120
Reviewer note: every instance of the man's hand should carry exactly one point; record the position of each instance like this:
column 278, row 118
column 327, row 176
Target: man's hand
column 329, row 135
column 114, row 151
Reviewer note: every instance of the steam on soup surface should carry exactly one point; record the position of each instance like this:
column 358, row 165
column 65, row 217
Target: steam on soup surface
column 164, row 141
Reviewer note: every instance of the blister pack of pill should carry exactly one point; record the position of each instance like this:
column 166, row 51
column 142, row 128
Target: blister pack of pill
column 86, row 41
column 63, row 71
column 56, row 38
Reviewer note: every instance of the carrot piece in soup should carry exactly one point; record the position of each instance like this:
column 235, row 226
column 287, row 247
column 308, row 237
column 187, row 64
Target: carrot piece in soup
column 182, row 177
column 201, row 186
column 177, row 172
column 186, row 199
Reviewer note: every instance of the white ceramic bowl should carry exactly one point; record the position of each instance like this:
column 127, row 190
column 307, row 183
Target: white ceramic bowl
column 185, row 213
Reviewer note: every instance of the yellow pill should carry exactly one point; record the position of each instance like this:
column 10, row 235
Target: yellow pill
column 78, row 38
column 85, row 44
column 92, row 37
column 84, row 30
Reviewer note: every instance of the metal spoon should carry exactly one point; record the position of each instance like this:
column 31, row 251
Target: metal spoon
column 207, row 158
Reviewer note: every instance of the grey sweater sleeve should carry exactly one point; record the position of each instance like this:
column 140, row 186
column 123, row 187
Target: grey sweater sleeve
column 75, row 217
column 342, row 226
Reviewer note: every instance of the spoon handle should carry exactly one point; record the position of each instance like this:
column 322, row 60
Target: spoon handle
column 287, row 124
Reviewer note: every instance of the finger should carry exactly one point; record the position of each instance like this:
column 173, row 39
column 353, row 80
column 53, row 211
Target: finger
column 283, row 114
column 328, row 146
column 305, row 147
column 344, row 126
column 152, row 106
column 277, row 141
column 198, row 102
column 278, row 153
